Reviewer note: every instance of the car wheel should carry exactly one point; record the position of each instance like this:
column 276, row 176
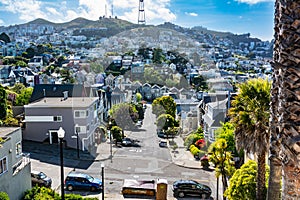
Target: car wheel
column 70, row 187
column 181, row 194
column 205, row 196
column 93, row 189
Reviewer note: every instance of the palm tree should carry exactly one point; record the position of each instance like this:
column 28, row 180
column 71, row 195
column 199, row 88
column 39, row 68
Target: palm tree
column 286, row 60
column 250, row 114
column 274, row 189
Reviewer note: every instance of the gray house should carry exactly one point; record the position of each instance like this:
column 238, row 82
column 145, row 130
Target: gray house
column 75, row 115
column 15, row 166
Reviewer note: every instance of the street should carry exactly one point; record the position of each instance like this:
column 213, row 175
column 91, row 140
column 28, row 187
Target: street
column 145, row 161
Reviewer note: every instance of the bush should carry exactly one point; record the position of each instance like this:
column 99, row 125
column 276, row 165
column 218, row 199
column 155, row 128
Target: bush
column 43, row 193
column 4, row 196
column 194, row 150
column 78, row 197
column 39, row 193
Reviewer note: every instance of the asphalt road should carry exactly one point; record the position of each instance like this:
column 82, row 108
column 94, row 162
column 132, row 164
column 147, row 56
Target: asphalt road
column 145, row 161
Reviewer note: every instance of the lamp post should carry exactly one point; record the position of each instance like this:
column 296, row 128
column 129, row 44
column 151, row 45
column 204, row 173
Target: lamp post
column 102, row 174
column 110, row 142
column 61, row 135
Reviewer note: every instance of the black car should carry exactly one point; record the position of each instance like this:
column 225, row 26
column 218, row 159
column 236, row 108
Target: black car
column 184, row 188
column 40, row 179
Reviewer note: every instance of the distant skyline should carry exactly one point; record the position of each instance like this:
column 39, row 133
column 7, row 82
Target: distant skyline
column 237, row 16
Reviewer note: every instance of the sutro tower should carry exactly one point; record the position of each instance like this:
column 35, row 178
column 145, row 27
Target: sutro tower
column 141, row 19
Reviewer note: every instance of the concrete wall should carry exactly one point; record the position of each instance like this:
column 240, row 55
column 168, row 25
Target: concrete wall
column 14, row 183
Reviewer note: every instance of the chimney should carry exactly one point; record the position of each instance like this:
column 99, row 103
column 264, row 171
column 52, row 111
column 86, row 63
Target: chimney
column 65, row 95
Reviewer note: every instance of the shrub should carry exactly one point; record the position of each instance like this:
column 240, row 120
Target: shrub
column 194, row 150
column 4, row 196
column 39, row 193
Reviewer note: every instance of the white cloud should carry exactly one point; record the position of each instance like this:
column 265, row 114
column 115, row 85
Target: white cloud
column 254, row 1
column 62, row 11
column 191, row 14
column 1, row 21
column 156, row 11
column 26, row 9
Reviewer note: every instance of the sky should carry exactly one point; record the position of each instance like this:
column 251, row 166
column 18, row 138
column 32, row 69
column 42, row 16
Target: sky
column 237, row 16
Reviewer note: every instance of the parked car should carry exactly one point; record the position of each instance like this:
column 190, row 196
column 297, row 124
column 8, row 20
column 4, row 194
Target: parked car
column 139, row 123
column 161, row 134
column 82, row 181
column 163, row 143
column 127, row 142
column 182, row 188
column 40, row 179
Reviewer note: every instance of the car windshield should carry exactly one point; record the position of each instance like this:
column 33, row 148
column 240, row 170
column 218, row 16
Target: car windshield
column 89, row 178
column 42, row 175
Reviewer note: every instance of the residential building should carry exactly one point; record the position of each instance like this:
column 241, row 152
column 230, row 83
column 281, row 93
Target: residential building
column 15, row 166
column 79, row 115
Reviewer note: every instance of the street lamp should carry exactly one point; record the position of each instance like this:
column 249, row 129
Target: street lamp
column 61, row 135
column 102, row 174
column 108, row 131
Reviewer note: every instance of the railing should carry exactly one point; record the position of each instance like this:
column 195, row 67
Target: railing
column 22, row 163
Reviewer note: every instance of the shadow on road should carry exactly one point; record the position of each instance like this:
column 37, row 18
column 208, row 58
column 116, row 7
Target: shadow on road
column 50, row 153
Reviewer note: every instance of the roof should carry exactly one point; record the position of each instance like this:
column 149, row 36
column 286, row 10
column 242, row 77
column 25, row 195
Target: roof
column 5, row 131
column 75, row 174
column 56, row 90
column 61, row 103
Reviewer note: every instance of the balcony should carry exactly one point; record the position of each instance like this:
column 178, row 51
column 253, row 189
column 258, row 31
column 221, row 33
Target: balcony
column 25, row 160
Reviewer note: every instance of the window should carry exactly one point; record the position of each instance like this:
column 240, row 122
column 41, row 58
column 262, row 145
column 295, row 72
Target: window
column 18, row 149
column 80, row 113
column 3, row 165
column 57, row 118
column 80, row 129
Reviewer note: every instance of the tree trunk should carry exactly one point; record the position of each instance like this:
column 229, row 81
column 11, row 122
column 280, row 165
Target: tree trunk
column 274, row 189
column 224, row 181
column 287, row 59
column 291, row 177
column 261, row 176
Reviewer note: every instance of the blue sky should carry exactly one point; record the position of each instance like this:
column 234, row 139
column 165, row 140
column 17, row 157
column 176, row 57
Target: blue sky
column 236, row 16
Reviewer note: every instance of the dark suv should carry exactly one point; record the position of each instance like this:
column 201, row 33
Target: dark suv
column 82, row 182
column 184, row 188
column 40, row 179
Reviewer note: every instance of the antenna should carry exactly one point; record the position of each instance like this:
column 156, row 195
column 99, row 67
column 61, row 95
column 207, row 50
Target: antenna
column 141, row 17
column 112, row 9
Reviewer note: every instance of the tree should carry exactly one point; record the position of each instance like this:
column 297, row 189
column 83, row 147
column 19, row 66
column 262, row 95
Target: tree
column 285, row 116
column 116, row 132
column 193, row 137
column 3, row 103
column 124, row 114
column 164, row 105
column 4, row 196
column 250, row 114
column 221, row 157
column 227, row 132
column 242, row 184
column 24, row 96
column 165, row 121
column 138, row 97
